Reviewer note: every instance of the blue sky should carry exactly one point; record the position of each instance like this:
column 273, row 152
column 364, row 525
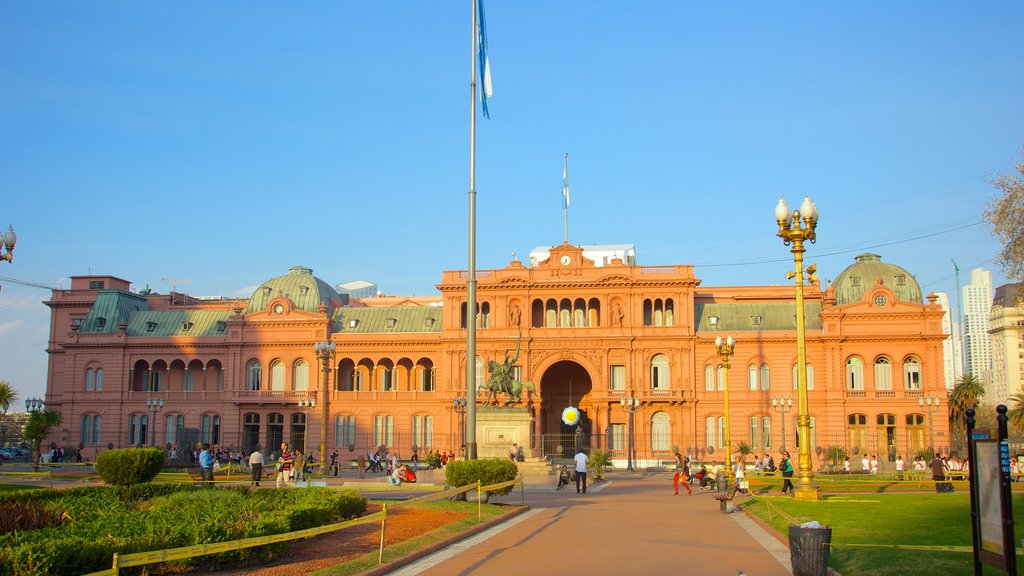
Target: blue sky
column 224, row 142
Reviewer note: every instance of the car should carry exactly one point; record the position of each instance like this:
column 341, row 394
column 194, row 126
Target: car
column 6, row 454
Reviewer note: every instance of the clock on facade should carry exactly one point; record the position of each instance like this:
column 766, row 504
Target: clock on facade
column 881, row 300
column 278, row 309
column 566, row 260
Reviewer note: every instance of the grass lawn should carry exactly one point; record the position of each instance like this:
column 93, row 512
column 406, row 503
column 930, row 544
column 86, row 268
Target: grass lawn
column 865, row 526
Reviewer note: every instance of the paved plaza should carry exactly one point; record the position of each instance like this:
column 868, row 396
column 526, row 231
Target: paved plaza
column 631, row 524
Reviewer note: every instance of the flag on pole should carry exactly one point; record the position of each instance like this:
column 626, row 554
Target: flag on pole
column 486, row 90
column 565, row 183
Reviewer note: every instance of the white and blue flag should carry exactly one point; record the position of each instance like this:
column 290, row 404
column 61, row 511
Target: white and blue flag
column 486, row 90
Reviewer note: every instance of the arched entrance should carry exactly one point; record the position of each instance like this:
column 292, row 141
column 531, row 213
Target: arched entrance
column 564, row 384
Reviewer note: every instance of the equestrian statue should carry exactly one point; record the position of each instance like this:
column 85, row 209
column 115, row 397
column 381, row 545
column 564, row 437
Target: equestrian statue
column 502, row 380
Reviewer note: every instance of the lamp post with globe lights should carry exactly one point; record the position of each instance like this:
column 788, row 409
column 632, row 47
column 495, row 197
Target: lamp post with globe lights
column 783, row 404
column 154, row 405
column 795, row 228
column 931, row 403
column 325, row 353
column 630, row 405
column 725, row 350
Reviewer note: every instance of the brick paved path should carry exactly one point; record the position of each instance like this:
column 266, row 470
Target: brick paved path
column 632, row 524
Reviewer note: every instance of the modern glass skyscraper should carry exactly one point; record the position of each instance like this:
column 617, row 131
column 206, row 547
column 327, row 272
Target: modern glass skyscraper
column 977, row 306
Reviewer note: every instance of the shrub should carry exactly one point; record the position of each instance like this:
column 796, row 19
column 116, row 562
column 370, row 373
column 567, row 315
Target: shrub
column 491, row 471
column 129, row 466
column 598, row 461
column 26, row 515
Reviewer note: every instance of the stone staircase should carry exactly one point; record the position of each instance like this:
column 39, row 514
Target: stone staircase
column 534, row 467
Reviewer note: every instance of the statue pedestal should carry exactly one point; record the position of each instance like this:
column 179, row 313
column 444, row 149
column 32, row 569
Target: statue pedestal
column 497, row 428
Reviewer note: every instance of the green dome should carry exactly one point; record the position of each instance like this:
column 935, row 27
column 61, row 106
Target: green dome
column 863, row 274
column 299, row 285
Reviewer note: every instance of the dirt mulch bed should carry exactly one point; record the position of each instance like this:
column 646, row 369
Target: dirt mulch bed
column 312, row 554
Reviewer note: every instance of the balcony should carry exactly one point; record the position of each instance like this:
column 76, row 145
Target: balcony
column 378, row 395
column 268, row 396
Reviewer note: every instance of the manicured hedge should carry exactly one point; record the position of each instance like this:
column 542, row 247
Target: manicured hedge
column 129, row 466
column 489, row 471
column 98, row 521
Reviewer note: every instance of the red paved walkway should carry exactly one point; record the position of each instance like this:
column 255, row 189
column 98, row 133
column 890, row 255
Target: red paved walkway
column 630, row 525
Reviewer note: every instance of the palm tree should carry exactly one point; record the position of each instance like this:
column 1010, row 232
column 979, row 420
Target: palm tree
column 1016, row 411
column 967, row 393
column 8, row 396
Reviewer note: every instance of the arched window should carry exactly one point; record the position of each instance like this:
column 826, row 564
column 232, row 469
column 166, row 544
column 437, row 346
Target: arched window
column 423, row 431
column 752, row 377
column 659, row 372
column 138, row 426
column 209, row 429
column 255, row 375
column 565, row 313
column 173, row 423
column 854, row 373
column 709, row 377
column 911, row 373
column 766, row 432
column 721, row 432
column 91, row 429
column 720, row 377
column 857, row 431
column 383, row 430
column 883, row 373
column 661, row 431
column 277, row 375
column 765, row 380
column 755, row 432
column 301, row 376
column 344, row 430
column 90, row 380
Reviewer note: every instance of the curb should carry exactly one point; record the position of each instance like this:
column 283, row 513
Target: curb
column 420, row 554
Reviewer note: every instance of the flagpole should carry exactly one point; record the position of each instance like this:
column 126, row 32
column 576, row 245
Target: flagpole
column 565, row 197
column 470, row 433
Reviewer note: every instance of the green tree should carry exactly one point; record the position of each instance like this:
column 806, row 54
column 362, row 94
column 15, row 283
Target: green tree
column 967, row 393
column 1015, row 410
column 38, row 427
column 8, row 396
column 1005, row 213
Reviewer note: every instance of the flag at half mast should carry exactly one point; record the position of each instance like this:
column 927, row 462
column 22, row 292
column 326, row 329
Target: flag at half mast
column 486, row 90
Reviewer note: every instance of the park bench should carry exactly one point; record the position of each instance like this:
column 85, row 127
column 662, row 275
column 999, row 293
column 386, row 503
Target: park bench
column 194, row 475
column 724, row 498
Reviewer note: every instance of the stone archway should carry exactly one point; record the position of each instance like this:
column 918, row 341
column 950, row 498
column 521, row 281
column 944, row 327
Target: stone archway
column 564, row 383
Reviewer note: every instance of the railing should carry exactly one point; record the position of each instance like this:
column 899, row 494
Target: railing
column 885, row 393
column 354, row 395
column 198, row 395
column 270, row 395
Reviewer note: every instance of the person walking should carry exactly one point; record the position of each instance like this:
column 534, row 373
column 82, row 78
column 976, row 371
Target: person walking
column 284, row 466
column 581, row 472
column 256, row 464
column 682, row 473
column 787, row 473
column 206, row 465
column 362, row 466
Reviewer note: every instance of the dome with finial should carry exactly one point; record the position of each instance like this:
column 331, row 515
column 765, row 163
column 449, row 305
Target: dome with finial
column 866, row 271
column 307, row 292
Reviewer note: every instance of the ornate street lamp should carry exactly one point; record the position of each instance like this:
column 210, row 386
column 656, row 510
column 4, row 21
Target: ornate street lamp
column 34, row 404
column 931, row 403
column 154, row 405
column 794, row 228
column 783, row 404
column 325, row 352
column 10, row 238
column 725, row 349
column 306, row 405
column 630, row 405
column 459, row 404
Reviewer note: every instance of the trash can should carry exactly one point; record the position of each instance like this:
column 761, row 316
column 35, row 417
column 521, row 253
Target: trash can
column 809, row 550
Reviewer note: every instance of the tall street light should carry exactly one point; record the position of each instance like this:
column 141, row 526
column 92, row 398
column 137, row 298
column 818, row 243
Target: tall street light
column 9, row 238
column 459, row 404
column 783, row 404
column 630, row 405
column 306, row 405
column 154, row 405
column 725, row 349
column 931, row 403
column 34, row 404
column 794, row 228
column 325, row 352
